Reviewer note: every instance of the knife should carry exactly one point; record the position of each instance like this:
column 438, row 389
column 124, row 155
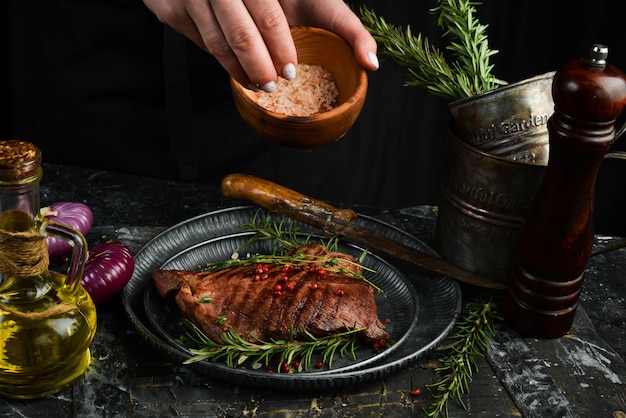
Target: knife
column 334, row 221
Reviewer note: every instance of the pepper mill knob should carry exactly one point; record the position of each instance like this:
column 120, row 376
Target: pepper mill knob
column 557, row 235
column 598, row 55
column 590, row 89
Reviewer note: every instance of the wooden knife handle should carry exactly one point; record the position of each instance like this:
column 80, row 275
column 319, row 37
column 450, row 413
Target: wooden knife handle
column 287, row 202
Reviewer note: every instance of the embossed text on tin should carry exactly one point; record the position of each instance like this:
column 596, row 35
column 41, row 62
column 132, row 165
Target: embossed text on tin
column 489, row 230
column 507, row 129
column 477, row 194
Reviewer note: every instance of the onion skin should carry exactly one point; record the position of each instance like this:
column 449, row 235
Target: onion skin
column 109, row 267
column 73, row 214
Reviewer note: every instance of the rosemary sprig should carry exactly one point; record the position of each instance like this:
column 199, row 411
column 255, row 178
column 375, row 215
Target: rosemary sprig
column 285, row 234
column 297, row 260
column 235, row 350
column 468, row 42
column 458, row 366
column 470, row 72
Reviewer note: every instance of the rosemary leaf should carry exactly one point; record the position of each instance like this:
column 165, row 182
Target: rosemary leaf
column 469, row 72
column 235, row 350
column 286, row 235
column 268, row 229
column 455, row 373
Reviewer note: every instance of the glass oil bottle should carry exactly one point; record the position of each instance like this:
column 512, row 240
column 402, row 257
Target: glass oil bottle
column 47, row 319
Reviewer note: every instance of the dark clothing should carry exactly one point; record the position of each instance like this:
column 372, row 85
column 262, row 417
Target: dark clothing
column 107, row 86
column 88, row 84
column 103, row 84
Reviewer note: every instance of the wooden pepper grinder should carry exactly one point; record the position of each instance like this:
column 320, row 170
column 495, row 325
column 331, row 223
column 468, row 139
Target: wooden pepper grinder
column 557, row 235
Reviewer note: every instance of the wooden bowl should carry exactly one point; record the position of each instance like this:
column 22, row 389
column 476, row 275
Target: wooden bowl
column 315, row 47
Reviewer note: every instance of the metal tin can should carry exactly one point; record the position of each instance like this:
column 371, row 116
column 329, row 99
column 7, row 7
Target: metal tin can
column 510, row 121
column 485, row 199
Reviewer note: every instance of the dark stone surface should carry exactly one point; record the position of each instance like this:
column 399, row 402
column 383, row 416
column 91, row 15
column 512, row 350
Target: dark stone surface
column 581, row 374
column 130, row 201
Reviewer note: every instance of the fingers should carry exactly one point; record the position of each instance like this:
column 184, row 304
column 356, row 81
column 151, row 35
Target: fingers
column 349, row 26
column 364, row 45
column 364, row 49
column 251, row 41
column 251, row 38
column 337, row 17
column 270, row 19
column 214, row 39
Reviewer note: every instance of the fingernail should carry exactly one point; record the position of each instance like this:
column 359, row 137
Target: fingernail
column 289, row 72
column 373, row 59
column 269, row 87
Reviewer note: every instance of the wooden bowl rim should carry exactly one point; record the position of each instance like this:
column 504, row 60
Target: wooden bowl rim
column 328, row 114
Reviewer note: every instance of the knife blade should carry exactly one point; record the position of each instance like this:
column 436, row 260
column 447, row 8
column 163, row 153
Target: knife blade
column 341, row 222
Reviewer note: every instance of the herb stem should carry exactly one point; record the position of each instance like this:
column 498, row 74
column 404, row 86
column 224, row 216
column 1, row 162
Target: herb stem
column 235, row 350
column 457, row 368
column 286, row 236
column 469, row 72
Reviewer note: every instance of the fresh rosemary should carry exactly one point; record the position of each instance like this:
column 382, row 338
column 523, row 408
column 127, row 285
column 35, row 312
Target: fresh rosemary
column 470, row 72
column 235, row 350
column 286, row 235
column 297, row 260
column 455, row 372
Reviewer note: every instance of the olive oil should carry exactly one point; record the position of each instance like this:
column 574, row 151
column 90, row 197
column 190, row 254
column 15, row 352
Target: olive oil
column 46, row 327
column 47, row 319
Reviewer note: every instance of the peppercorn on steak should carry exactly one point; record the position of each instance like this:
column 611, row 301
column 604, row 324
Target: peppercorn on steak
column 277, row 301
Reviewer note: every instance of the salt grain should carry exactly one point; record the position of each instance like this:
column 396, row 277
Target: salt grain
column 312, row 91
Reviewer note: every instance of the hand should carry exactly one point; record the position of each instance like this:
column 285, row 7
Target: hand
column 335, row 16
column 251, row 38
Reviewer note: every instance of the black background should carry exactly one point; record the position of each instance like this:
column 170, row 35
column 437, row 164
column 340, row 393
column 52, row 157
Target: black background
column 392, row 157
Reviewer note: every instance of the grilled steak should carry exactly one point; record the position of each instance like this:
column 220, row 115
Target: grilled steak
column 267, row 304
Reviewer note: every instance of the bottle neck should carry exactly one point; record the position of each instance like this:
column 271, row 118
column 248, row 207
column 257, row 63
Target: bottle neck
column 21, row 195
column 19, row 214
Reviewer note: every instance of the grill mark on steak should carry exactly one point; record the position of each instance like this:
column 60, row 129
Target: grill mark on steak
column 254, row 310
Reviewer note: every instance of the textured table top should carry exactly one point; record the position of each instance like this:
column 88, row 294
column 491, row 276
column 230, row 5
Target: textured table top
column 580, row 374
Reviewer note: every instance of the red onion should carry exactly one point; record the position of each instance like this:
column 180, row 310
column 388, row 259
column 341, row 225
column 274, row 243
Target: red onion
column 73, row 214
column 109, row 267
